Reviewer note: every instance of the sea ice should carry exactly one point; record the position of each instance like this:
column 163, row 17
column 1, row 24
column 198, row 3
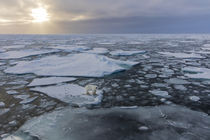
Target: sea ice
column 197, row 73
column 98, row 51
column 11, row 92
column 50, row 80
column 126, row 53
column 194, row 98
column 177, row 81
column 161, row 122
column 71, row 48
column 87, row 65
column 13, row 47
column 206, row 47
column 70, row 93
column 23, row 53
column 160, row 93
column 28, row 100
column 2, row 104
column 182, row 55
column 3, row 111
column 1, row 63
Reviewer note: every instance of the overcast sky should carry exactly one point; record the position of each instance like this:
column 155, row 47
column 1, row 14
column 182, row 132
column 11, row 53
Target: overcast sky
column 104, row 16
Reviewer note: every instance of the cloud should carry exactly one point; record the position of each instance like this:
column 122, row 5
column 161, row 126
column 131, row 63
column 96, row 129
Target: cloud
column 120, row 15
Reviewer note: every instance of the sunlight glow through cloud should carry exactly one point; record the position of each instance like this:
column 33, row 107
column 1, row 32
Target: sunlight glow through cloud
column 40, row 15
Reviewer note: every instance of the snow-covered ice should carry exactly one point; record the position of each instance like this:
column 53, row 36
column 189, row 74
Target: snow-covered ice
column 162, row 122
column 182, row 55
column 50, row 80
column 98, row 51
column 87, row 65
column 206, row 47
column 23, row 53
column 126, row 53
column 197, row 73
column 4, row 110
column 13, row 46
column 70, row 93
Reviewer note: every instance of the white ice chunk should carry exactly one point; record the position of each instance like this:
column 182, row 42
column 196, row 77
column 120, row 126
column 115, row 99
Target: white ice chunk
column 1, row 63
column 206, row 47
column 162, row 122
column 11, row 92
column 126, row 53
column 160, row 93
column 197, row 73
column 182, row 55
column 28, row 100
column 194, row 98
column 88, row 65
column 98, row 51
column 70, row 93
column 3, row 111
column 2, row 104
column 50, row 80
column 23, row 53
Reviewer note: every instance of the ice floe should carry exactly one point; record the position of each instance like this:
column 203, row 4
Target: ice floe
column 126, row 53
column 11, row 92
column 28, row 100
column 13, row 47
column 152, row 123
column 23, row 53
column 50, row 80
column 70, row 93
column 2, row 104
column 206, row 47
column 182, row 55
column 160, row 93
column 87, row 65
column 98, row 51
column 71, row 48
column 197, row 73
column 194, row 98
column 4, row 110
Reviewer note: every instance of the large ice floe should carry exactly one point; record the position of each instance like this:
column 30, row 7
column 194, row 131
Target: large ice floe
column 70, row 93
column 126, row 53
column 148, row 123
column 23, row 53
column 206, row 47
column 83, row 64
column 182, row 55
column 50, row 81
column 197, row 73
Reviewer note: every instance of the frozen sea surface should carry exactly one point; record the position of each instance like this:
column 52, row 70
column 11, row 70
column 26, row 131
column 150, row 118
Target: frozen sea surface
column 44, row 73
column 87, row 65
column 161, row 123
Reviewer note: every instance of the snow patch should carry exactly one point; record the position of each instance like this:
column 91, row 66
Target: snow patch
column 98, row 51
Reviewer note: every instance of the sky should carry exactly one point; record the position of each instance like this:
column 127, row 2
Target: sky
column 104, row 16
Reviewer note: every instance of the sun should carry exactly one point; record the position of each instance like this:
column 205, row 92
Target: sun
column 40, row 15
